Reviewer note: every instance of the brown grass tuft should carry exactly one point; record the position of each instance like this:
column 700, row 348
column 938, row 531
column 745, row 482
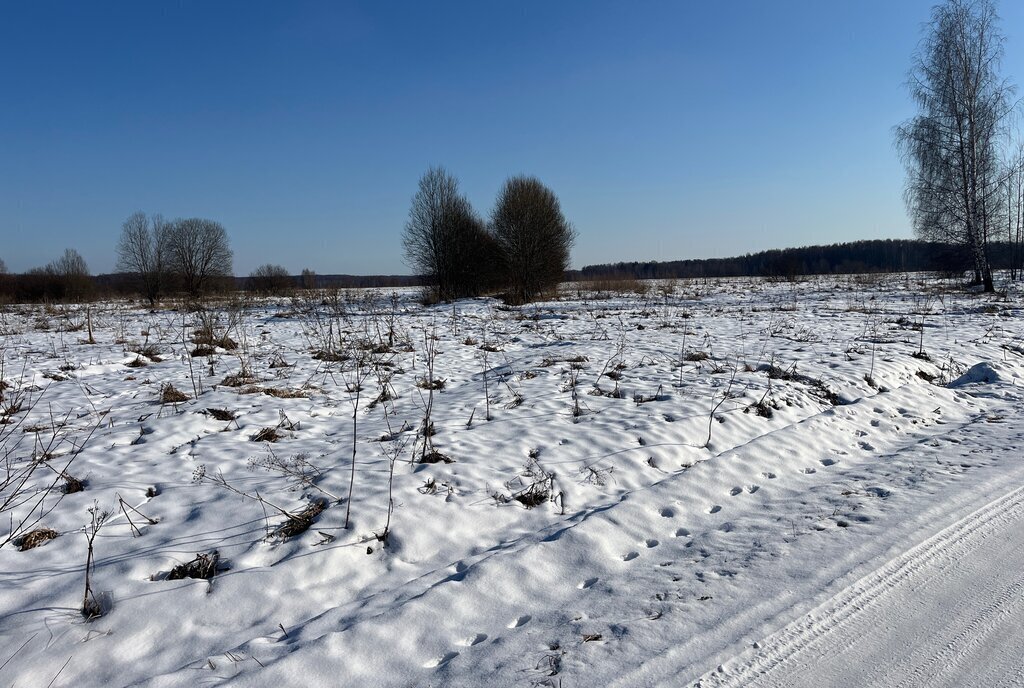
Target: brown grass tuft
column 299, row 523
column 265, row 435
column 435, row 456
column 221, row 414
column 204, row 567
column 169, row 395
column 281, row 393
column 35, row 538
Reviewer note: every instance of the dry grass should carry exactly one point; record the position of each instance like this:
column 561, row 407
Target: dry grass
column 170, row 395
column 72, row 484
column 204, row 336
column 435, row 456
column 221, row 414
column 330, row 356
column 282, row 393
column 204, row 567
column 239, row 379
column 35, row 538
column 299, row 523
column 279, row 362
column 266, row 435
column 151, row 352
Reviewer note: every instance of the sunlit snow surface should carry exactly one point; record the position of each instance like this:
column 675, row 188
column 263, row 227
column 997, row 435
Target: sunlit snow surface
column 659, row 558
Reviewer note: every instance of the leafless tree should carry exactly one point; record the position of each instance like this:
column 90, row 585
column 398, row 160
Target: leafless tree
column 1013, row 188
column 270, row 279
column 444, row 239
column 199, row 253
column 143, row 252
column 3, row 267
column 951, row 149
column 533, row 237
column 308, row 279
column 71, row 273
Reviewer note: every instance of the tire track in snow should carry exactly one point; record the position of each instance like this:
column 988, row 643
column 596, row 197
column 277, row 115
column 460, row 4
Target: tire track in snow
column 855, row 608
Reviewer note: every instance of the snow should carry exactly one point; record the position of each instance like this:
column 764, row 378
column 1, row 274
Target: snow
column 979, row 373
column 863, row 440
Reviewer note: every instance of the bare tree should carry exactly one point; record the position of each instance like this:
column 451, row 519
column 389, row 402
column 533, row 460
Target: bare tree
column 71, row 273
column 951, row 149
column 198, row 253
column 534, row 238
column 1013, row 188
column 444, row 239
column 3, row 267
column 308, row 278
column 270, row 279
column 143, row 252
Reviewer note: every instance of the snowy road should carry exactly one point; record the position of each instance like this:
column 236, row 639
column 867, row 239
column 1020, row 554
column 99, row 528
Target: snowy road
column 949, row 612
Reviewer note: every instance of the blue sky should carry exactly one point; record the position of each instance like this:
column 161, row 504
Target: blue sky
column 668, row 130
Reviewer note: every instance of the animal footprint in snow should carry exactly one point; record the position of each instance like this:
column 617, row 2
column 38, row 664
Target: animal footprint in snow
column 714, row 509
column 630, row 556
column 651, row 542
column 441, row 661
column 768, row 475
column 828, row 462
column 520, row 621
column 735, row 491
column 474, row 639
column 666, row 512
column 808, row 470
column 865, row 446
column 751, row 489
column 589, row 583
column 681, row 532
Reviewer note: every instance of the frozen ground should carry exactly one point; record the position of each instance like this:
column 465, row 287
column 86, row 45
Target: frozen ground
column 854, row 518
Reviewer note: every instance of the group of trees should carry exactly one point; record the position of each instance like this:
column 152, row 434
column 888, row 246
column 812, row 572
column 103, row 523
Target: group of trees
column 523, row 250
column 189, row 254
column 65, row 278
column 965, row 174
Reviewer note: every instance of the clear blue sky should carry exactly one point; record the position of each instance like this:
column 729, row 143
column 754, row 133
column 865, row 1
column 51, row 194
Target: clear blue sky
column 668, row 130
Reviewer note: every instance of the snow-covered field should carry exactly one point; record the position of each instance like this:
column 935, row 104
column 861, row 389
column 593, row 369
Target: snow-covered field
column 726, row 482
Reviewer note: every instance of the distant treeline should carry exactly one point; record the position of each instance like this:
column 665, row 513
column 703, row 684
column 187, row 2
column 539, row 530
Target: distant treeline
column 45, row 285
column 877, row 255
column 60, row 282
